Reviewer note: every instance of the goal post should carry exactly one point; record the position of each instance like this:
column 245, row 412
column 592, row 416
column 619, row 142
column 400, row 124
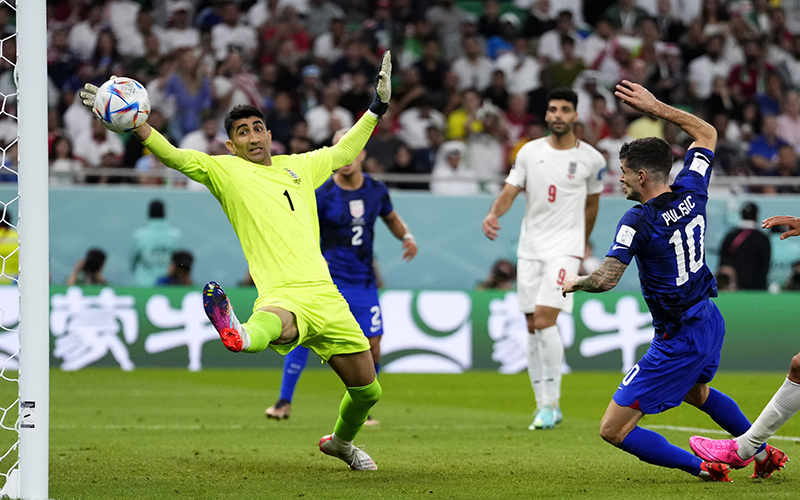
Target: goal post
column 33, row 226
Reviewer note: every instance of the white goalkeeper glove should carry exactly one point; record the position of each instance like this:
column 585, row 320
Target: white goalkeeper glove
column 88, row 94
column 383, row 86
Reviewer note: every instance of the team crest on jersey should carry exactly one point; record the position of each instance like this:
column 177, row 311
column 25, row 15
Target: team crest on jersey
column 573, row 167
column 357, row 208
column 295, row 177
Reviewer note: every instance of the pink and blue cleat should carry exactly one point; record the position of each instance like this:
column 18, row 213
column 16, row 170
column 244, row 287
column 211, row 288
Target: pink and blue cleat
column 220, row 313
column 718, row 450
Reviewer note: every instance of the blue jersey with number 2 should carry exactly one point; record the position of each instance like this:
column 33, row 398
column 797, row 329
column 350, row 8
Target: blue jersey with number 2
column 347, row 227
column 666, row 236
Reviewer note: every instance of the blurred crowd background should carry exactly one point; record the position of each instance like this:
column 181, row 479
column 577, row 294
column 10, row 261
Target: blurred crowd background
column 470, row 80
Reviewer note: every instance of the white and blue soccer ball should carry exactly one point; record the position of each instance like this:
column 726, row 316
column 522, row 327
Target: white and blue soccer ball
column 122, row 105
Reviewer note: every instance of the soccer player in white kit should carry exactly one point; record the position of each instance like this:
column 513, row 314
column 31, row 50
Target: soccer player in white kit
column 562, row 179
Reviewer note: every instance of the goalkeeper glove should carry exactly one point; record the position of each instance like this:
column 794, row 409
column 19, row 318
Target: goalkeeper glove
column 383, row 86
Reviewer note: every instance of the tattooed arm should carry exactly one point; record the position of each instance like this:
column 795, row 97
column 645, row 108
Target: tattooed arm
column 603, row 279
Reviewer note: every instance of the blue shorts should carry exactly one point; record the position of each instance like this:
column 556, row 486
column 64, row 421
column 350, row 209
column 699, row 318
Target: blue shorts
column 365, row 307
column 671, row 367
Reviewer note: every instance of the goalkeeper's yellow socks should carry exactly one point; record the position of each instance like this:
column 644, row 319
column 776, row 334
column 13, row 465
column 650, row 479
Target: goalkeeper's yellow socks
column 354, row 409
column 262, row 328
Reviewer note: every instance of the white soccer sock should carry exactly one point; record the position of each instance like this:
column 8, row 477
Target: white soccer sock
column 535, row 368
column 552, row 353
column 783, row 405
column 340, row 443
column 239, row 328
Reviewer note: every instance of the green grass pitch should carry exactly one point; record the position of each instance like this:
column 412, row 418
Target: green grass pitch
column 160, row 434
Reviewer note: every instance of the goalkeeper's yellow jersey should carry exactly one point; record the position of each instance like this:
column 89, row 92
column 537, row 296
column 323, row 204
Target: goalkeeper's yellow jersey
column 273, row 209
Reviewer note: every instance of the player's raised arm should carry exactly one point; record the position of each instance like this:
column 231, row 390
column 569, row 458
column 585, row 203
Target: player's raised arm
column 351, row 144
column 500, row 206
column 639, row 98
column 784, row 220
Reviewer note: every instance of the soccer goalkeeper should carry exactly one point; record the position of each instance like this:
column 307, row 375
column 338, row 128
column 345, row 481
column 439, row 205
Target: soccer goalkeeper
column 271, row 204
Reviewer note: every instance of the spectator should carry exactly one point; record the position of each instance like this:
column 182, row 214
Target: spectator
column 310, row 89
column 329, row 46
column 192, row 93
column 83, row 35
column 431, row 68
column 62, row 63
column 539, row 20
column 450, row 176
column 473, row 69
column 354, row 61
column 153, row 245
column 747, row 250
column 789, row 120
column 320, row 15
column 486, row 149
column 600, row 44
column 64, row 167
column 747, row 77
column 94, row 143
column 503, row 42
column 234, row 84
column 328, row 116
column 145, row 67
column 501, row 276
column 625, row 15
column 670, row 27
column 405, row 162
column 179, row 271
column 207, row 138
column 569, row 67
column 517, row 117
column 180, row 34
column 407, row 93
column 597, row 122
column 789, row 69
column 666, row 80
column 426, row 157
column 105, row 60
column 763, row 153
column 287, row 41
column 496, row 93
column 232, row 35
column 282, row 118
column 749, row 120
column 769, row 99
column 136, row 39
column 787, row 167
column 380, row 148
column 729, row 154
column 550, row 42
column 262, row 12
column 446, row 20
column 89, row 270
column 464, row 120
column 610, row 147
column 587, row 86
column 520, row 68
column 702, row 70
column 490, row 21
column 415, row 121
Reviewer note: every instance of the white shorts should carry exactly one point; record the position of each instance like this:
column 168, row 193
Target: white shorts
column 539, row 283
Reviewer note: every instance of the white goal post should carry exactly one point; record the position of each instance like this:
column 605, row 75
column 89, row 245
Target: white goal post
column 33, row 424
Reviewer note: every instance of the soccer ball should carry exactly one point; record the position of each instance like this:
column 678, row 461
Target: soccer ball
column 122, row 105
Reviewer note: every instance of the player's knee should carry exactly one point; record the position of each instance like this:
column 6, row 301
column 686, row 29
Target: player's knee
column 610, row 434
column 794, row 369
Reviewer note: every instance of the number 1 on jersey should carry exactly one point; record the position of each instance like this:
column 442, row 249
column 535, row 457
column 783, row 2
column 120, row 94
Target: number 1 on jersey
column 291, row 205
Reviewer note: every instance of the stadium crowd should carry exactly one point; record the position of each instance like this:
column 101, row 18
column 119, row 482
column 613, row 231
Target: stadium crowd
column 470, row 85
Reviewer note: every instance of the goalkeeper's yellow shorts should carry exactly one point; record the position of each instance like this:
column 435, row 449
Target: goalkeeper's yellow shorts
column 324, row 321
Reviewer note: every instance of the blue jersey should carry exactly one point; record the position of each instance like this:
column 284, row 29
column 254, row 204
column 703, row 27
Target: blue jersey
column 666, row 236
column 347, row 228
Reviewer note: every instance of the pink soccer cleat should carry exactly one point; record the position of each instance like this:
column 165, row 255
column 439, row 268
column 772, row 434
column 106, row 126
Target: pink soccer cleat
column 718, row 450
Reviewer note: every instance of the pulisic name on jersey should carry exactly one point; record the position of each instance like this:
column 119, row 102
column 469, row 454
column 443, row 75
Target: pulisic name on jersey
column 685, row 208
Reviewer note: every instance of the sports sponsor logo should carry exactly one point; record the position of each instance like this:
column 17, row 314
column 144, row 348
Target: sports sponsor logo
column 295, row 177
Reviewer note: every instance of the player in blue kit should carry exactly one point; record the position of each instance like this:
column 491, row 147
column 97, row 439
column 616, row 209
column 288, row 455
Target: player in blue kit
column 348, row 204
column 665, row 234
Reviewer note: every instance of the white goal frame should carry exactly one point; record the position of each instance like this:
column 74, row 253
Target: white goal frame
column 34, row 283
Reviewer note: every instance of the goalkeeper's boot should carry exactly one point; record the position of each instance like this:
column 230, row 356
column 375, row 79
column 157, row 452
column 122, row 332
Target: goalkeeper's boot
column 718, row 450
column 220, row 313
column 715, row 472
column 371, row 421
column 557, row 415
column 355, row 458
column 776, row 460
column 279, row 410
column 543, row 418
